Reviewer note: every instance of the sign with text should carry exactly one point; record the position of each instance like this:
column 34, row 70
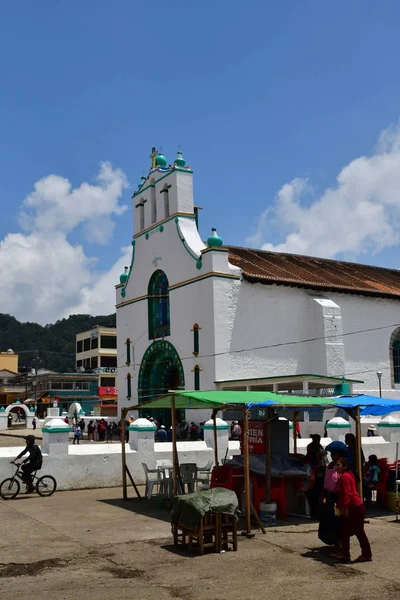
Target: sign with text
column 106, row 370
column 257, row 437
column 107, row 391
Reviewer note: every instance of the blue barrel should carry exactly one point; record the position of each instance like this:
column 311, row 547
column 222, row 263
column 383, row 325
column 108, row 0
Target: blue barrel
column 268, row 514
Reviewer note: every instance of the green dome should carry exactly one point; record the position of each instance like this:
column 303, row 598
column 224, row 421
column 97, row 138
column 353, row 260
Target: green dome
column 214, row 239
column 180, row 161
column 124, row 276
column 161, row 161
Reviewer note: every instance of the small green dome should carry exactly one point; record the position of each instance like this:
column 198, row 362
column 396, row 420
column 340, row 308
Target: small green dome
column 124, row 276
column 161, row 161
column 214, row 239
column 180, row 161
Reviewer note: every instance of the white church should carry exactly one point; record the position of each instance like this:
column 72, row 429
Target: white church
column 195, row 314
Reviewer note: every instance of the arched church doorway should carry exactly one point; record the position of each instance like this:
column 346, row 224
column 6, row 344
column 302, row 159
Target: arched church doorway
column 160, row 370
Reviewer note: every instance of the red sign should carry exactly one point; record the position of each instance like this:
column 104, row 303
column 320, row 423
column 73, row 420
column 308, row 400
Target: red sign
column 256, row 437
column 107, row 391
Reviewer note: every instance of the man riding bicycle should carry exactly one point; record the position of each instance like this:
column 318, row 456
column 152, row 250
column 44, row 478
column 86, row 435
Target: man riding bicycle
column 32, row 463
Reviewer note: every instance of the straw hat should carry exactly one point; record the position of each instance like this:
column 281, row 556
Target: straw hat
column 372, row 428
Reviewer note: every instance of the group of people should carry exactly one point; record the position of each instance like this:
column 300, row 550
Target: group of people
column 98, row 430
column 334, row 497
column 183, row 431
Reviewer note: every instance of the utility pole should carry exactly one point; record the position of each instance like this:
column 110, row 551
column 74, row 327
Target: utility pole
column 35, row 382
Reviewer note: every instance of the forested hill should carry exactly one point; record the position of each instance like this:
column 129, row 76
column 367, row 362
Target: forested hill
column 55, row 343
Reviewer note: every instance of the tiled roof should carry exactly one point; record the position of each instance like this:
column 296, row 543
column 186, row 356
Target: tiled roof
column 318, row 273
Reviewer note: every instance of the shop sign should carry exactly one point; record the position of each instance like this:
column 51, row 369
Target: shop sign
column 107, row 391
column 106, row 370
column 257, row 437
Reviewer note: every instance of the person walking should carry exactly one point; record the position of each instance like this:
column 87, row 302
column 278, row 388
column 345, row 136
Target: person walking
column 77, row 433
column 90, row 431
column 352, row 511
column 34, row 423
column 109, row 432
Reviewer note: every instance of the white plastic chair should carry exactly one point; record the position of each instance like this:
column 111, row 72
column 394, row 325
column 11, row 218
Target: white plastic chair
column 151, row 481
column 203, row 474
column 165, row 468
column 188, row 472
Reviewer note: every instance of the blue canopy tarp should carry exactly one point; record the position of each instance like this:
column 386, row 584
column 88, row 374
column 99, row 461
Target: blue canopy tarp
column 369, row 405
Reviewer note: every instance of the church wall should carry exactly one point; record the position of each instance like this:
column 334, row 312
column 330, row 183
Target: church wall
column 269, row 316
column 256, row 315
column 368, row 352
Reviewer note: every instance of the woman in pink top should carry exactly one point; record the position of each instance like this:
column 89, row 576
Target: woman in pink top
column 352, row 514
column 329, row 524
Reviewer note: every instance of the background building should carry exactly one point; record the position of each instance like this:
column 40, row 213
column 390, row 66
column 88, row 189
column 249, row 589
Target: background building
column 65, row 389
column 96, row 351
column 9, row 361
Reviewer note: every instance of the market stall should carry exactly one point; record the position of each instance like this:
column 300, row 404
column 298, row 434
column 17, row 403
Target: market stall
column 355, row 406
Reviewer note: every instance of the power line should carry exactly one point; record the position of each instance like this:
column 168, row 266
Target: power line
column 241, row 350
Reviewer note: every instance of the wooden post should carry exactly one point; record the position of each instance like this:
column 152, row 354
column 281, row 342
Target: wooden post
column 247, row 470
column 268, row 432
column 294, row 432
column 174, row 449
column 358, row 456
column 214, row 418
column 123, row 454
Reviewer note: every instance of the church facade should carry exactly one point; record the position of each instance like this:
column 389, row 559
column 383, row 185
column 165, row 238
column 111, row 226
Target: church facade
column 201, row 315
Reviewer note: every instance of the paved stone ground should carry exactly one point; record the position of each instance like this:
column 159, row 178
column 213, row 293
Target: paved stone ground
column 91, row 544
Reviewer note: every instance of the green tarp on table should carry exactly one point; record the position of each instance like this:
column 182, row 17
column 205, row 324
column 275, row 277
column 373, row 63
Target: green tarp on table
column 188, row 510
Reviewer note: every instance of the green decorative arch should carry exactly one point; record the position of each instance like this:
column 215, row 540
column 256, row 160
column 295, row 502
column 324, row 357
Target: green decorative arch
column 160, row 370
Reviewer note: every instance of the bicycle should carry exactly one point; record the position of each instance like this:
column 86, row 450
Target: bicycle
column 10, row 487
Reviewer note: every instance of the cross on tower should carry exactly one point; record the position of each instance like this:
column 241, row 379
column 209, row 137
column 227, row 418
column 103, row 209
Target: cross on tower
column 153, row 157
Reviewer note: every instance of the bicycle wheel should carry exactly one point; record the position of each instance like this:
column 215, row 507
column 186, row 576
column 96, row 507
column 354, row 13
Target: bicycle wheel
column 46, row 485
column 9, row 488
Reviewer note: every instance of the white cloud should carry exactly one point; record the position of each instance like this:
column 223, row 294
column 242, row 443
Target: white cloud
column 43, row 276
column 360, row 214
column 98, row 298
column 55, row 205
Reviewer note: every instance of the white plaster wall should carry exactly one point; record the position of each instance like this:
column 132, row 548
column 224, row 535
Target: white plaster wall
column 257, row 315
column 368, row 352
column 99, row 465
column 263, row 315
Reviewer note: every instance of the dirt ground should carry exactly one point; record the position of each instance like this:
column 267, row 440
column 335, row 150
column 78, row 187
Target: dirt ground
column 91, row 544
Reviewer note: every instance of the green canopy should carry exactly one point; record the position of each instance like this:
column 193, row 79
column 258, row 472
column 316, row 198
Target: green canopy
column 226, row 398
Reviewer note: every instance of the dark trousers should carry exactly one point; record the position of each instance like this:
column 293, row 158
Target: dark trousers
column 354, row 525
column 76, row 439
column 27, row 470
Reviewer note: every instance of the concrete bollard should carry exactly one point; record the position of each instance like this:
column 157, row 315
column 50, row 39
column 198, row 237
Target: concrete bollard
column 389, row 429
column 29, row 418
column 55, row 437
column 222, row 436
column 141, row 438
column 3, row 419
column 337, row 428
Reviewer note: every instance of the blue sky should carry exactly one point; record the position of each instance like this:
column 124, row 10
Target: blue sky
column 258, row 95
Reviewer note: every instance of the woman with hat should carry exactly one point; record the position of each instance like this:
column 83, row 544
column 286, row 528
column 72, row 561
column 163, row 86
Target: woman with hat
column 371, row 432
column 329, row 523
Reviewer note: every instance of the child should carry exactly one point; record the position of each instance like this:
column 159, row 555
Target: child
column 372, row 476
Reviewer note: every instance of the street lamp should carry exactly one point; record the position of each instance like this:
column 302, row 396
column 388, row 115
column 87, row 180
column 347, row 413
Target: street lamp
column 379, row 376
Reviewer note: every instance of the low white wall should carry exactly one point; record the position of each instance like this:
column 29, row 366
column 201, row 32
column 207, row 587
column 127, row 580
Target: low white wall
column 100, row 465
